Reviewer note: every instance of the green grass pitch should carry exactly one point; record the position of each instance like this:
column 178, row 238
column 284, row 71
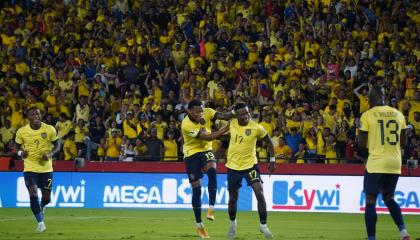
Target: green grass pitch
column 179, row 224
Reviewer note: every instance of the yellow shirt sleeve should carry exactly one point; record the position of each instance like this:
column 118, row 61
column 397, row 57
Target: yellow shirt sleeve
column 261, row 132
column 190, row 130
column 364, row 125
column 52, row 133
column 18, row 138
column 209, row 114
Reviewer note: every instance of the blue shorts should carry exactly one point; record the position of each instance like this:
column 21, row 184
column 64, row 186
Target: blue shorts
column 194, row 164
column 40, row 180
column 234, row 177
column 375, row 183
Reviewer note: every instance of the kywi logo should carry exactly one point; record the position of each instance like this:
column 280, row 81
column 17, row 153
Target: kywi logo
column 62, row 196
column 294, row 196
column 172, row 193
column 408, row 201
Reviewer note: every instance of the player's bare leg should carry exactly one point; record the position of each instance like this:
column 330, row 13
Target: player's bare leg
column 196, row 204
column 210, row 169
column 232, row 208
column 262, row 209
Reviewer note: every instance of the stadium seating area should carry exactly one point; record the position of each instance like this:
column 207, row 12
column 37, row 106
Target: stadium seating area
column 115, row 76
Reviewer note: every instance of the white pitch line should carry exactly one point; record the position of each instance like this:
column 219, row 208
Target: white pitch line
column 67, row 218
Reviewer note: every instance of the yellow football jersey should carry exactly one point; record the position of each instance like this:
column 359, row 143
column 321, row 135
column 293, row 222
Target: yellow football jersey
column 383, row 124
column 70, row 150
column 37, row 143
column 242, row 145
column 190, row 130
column 63, row 128
column 171, row 150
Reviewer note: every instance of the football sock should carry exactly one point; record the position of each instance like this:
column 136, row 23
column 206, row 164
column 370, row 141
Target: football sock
column 36, row 210
column 44, row 202
column 370, row 220
column 212, row 186
column 395, row 211
column 196, row 203
column 232, row 212
column 263, row 216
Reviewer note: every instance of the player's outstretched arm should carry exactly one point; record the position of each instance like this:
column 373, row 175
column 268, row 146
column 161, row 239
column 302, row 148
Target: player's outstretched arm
column 270, row 148
column 224, row 115
column 204, row 135
column 54, row 151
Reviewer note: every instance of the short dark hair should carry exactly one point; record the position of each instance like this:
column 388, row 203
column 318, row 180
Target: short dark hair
column 32, row 108
column 194, row 103
column 239, row 106
column 375, row 93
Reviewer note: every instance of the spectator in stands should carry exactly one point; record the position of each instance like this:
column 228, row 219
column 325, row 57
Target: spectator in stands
column 154, row 147
column 330, row 149
column 7, row 133
column 160, row 126
column 69, row 147
column 113, row 146
column 91, row 58
column 140, row 150
column 171, row 147
column 63, row 126
column 80, row 132
column 293, row 139
column 283, row 152
column 301, row 155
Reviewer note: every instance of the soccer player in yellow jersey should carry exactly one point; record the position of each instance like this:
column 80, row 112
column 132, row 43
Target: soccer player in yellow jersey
column 382, row 131
column 198, row 155
column 242, row 163
column 37, row 144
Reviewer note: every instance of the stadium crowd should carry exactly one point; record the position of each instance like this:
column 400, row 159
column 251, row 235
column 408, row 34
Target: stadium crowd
column 115, row 76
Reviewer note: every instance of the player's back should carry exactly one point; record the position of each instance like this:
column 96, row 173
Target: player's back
column 191, row 129
column 384, row 125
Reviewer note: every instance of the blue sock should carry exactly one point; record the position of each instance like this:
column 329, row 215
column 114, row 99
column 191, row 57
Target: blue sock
column 370, row 221
column 196, row 203
column 212, row 186
column 38, row 217
column 395, row 211
column 36, row 210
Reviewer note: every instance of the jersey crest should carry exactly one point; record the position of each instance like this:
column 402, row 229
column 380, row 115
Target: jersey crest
column 248, row 132
column 44, row 135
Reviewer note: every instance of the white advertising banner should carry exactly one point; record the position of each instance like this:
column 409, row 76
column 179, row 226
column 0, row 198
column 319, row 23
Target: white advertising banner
column 331, row 194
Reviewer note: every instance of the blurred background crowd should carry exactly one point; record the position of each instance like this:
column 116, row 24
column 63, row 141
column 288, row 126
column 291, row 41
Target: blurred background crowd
column 115, row 76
